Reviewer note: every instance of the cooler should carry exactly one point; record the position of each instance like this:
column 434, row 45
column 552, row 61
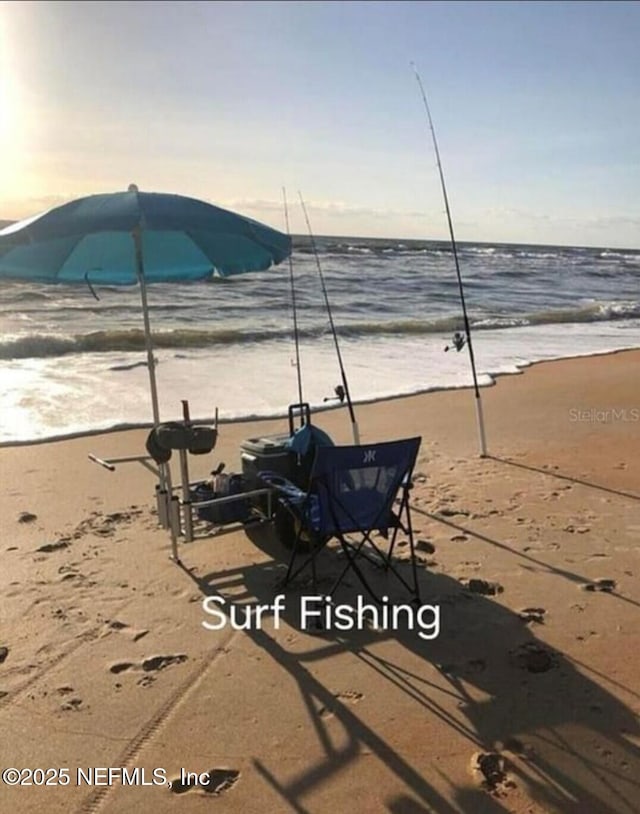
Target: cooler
column 267, row 452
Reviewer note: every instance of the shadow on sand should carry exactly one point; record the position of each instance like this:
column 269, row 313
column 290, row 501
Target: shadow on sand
column 554, row 473
column 555, row 737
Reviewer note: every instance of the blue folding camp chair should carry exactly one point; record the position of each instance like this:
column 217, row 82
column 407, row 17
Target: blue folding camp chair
column 354, row 491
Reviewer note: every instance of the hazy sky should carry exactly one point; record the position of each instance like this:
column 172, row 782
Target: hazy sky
column 536, row 107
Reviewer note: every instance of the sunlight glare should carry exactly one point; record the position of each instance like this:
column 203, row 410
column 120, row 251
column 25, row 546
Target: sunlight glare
column 11, row 131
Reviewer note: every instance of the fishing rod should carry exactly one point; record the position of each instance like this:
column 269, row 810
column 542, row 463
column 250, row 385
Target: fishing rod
column 467, row 327
column 296, row 335
column 343, row 393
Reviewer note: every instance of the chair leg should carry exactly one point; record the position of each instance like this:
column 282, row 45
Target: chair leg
column 314, row 575
column 292, row 558
column 392, row 545
column 310, row 559
column 408, row 530
column 414, row 568
column 354, row 565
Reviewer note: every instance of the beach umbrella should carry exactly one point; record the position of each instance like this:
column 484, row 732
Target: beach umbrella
column 133, row 237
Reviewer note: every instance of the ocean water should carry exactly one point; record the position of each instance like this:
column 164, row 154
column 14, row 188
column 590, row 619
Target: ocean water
column 70, row 363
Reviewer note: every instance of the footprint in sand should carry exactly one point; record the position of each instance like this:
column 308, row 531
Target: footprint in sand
column 215, row 782
column 490, row 768
column 451, row 511
column 599, row 555
column 160, row 662
column 105, row 525
column 27, row 517
column 121, row 667
column 426, row 546
column 114, row 624
column 48, row 548
column 104, row 531
column 72, row 705
column 117, row 625
column 152, row 664
column 534, row 658
column 482, row 587
column 350, row 696
column 347, row 697
column 426, row 561
column 533, row 615
column 64, row 690
column 603, row 585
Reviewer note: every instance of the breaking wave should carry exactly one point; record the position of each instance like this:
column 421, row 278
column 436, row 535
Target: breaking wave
column 38, row 345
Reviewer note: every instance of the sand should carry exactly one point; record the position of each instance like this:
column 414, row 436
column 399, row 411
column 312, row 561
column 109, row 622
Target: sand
column 527, row 701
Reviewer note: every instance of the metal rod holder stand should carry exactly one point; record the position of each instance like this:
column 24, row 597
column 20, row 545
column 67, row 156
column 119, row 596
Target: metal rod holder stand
column 161, row 507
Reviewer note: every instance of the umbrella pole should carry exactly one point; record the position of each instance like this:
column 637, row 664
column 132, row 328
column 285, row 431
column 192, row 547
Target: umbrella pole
column 164, row 472
column 151, row 364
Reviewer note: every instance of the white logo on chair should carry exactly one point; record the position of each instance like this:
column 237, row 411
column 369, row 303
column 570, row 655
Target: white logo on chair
column 369, row 456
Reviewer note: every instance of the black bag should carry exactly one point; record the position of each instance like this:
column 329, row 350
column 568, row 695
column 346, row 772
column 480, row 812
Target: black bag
column 236, row 511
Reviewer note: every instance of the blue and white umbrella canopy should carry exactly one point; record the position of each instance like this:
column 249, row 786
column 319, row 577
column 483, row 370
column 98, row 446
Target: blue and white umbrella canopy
column 124, row 238
column 181, row 239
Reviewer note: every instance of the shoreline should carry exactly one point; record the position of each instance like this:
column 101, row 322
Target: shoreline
column 522, row 368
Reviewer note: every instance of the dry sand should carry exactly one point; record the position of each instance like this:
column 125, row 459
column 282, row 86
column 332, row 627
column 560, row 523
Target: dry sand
column 527, row 701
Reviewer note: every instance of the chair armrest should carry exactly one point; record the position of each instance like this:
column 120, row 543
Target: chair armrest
column 285, row 487
column 306, row 506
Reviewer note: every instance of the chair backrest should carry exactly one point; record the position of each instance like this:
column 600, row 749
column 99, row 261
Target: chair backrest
column 356, row 486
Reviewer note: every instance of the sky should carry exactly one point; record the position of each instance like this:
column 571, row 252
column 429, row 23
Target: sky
column 536, row 108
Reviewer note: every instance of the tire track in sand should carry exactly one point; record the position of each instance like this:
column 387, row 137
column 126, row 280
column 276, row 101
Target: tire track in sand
column 96, row 799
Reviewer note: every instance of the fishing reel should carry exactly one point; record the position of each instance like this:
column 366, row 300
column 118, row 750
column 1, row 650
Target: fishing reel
column 458, row 342
column 340, row 394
